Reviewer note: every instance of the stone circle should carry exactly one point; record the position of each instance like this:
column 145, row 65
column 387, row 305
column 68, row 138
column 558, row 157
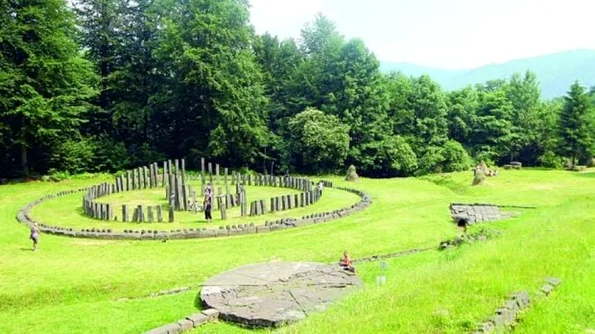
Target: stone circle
column 276, row 293
column 174, row 180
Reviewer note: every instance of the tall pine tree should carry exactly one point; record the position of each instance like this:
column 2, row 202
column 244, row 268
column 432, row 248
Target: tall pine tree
column 44, row 84
column 574, row 124
column 213, row 96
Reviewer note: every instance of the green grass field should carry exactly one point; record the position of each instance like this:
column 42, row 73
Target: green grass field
column 74, row 285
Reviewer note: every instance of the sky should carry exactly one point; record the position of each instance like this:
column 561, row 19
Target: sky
column 450, row 34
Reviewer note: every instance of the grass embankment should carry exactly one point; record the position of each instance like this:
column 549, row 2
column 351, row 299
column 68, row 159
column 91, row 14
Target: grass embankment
column 72, row 285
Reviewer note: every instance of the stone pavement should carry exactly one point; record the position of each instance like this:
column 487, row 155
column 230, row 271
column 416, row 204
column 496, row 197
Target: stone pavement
column 276, row 293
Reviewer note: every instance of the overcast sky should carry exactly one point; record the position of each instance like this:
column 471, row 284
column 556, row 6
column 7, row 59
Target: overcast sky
column 442, row 33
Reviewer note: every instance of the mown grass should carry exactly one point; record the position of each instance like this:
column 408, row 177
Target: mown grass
column 74, row 284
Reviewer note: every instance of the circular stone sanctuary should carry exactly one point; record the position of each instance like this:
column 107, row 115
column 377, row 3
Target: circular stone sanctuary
column 182, row 197
column 276, row 293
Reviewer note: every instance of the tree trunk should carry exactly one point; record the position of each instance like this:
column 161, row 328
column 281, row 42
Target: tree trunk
column 24, row 161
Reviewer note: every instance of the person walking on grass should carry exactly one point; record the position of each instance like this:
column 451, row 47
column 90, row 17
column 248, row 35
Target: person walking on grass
column 34, row 236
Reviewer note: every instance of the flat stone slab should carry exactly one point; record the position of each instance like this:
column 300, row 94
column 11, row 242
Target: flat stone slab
column 276, row 293
column 476, row 213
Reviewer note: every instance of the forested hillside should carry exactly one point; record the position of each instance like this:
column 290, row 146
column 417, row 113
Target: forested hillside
column 556, row 72
column 110, row 84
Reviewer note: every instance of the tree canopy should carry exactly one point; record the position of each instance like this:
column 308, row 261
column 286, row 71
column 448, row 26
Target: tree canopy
column 110, row 84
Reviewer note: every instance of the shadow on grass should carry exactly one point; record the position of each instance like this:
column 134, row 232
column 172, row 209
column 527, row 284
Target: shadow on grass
column 198, row 302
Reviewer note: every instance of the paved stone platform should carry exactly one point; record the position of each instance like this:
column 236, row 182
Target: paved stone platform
column 276, row 293
column 477, row 213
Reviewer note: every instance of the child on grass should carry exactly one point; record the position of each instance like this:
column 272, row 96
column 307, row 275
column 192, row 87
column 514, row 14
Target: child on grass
column 34, row 236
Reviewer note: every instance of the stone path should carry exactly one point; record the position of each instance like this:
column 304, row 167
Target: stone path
column 276, row 293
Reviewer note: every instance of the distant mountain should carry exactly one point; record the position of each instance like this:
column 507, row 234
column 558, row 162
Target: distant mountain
column 556, row 72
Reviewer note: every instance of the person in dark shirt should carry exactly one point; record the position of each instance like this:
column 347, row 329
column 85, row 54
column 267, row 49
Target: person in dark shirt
column 208, row 205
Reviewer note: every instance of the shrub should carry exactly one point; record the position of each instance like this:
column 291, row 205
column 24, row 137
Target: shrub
column 73, row 156
column 389, row 157
column 551, row 160
column 317, row 143
column 452, row 157
column 455, row 157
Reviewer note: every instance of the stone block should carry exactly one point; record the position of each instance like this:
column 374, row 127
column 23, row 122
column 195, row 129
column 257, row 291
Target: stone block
column 249, row 230
column 547, row 289
column 210, row 165
column 508, row 316
column 197, row 319
column 159, row 214
column 186, row 324
column 511, row 305
column 522, row 299
column 486, row 327
column 171, row 214
column 553, row 281
column 166, row 329
column 262, row 229
column 141, row 214
column 212, row 314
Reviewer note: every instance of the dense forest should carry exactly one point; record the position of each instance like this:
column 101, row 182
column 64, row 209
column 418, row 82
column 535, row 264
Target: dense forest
column 102, row 85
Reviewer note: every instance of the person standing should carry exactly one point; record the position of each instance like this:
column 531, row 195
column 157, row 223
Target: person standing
column 208, row 190
column 34, row 236
column 208, row 206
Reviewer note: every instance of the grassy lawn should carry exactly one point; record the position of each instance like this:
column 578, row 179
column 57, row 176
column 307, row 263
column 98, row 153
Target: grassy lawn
column 73, row 285
column 66, row 211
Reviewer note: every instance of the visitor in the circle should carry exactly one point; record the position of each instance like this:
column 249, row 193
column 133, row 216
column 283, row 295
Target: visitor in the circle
column 345, row 262
column 208, row 191
column 34, row 236
column 208, row 205
column 320, row 186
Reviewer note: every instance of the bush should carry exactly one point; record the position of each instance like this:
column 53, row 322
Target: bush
column 389, row 157
column 452, row 157
column 551, row 160
column 456, row 158
column 111, row 155
column 318, row 142
column 73, row 156
column 55, row 176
